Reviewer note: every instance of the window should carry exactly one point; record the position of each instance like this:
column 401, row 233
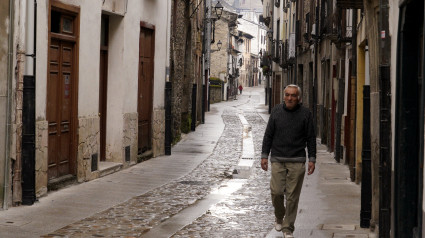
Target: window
column 104, row 30
column 62, row 24
column 278, row 30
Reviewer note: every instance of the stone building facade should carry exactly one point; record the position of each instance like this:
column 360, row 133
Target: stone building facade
column 221, row 63
column 186, row 65
column 360, row 64
column 246, row 66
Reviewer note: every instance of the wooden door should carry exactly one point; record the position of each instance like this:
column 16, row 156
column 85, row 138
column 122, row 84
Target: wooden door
column 60, row 86
column 145, row 89
column 103, row 83
column 103, row 89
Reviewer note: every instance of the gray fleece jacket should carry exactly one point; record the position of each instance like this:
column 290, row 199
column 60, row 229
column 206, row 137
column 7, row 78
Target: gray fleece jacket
column 287, row 135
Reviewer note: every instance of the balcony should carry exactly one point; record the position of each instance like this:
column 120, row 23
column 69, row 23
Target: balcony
column 298, row 33
column 338, row 31
column 341, row 34
column 347, row 33
column 284, row 55
column 291, row 49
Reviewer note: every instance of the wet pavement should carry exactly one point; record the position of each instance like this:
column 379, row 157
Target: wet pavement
column 199, row 193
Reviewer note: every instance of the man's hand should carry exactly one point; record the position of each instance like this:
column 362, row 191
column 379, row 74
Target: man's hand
column 264, row 164
column 311, row 167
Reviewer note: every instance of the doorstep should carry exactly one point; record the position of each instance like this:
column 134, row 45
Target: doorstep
column 106, row 168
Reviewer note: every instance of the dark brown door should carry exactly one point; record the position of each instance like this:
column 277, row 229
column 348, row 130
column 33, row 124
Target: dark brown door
column 103, row 84
column 59, row 107
column 145, row 94
column 103, row 89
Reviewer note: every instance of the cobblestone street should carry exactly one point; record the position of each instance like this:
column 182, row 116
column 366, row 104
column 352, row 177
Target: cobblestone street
column 209, row 201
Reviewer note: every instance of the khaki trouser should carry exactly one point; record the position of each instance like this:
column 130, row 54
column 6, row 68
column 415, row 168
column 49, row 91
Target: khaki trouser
column 287, row 179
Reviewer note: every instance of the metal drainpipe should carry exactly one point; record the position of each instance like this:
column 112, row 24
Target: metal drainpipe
column 354, row 75
column 30, row 38
column 366, row 185
column 209, row 31
column 316, row 53
column 168, row 89
column 269, row 83
column 229, row 53
column 385, row 160
column 421, row 142
column 9, row 103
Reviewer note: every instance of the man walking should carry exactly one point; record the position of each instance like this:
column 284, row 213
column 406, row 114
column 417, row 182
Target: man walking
column 289, row 131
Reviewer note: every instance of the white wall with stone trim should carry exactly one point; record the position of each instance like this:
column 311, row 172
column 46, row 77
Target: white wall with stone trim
column 123, row 56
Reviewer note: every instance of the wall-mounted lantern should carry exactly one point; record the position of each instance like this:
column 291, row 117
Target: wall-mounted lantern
column 219, row 44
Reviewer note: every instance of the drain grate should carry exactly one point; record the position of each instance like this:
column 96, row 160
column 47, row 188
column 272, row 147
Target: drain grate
column 250, row 158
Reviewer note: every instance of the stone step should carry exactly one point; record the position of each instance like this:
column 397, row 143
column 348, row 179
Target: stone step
column 106, row 168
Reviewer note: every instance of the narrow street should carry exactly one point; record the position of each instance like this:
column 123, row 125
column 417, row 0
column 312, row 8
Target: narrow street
column 211, row 186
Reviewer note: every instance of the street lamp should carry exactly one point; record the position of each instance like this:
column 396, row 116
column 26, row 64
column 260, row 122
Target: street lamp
column 219, row 44
column 218, row 9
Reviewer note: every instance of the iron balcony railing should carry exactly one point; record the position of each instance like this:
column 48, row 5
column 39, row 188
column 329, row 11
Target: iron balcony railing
column 338, row 31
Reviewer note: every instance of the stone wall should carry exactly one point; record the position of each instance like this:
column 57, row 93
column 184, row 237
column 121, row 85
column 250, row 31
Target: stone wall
column 158, row 132
column 177, row 63
column 130, row 135
column 88, row 146
column 215, row 94
column 219, row 58
column 41, row 153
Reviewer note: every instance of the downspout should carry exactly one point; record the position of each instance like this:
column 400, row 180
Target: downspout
column 421, row 213
column 168, row 87
column 9, row 103
column 353, row 108
column 208, row 45
column 366, row 185
column 385, row 160
column 316, row 53
column 229, row 54
column 30, row 40
column 28, row 161
column 269, row 83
